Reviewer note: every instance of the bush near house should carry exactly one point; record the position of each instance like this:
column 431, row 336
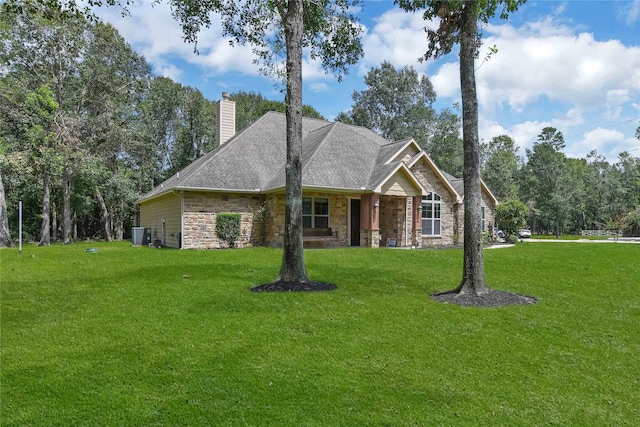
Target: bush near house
column 228, row 227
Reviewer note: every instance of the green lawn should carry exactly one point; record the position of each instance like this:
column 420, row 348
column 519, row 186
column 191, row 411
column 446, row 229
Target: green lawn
column 570, row 237
column 132, row 336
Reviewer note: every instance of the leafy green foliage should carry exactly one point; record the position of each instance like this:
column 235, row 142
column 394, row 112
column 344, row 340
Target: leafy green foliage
column 450, row 13
column 511, row 239
column 250, row 106
column 228, row 227
column 329, row 33
column 631, row 224
column 396, row 103
column 511, row 215
column 500, row 166
column 551, row 180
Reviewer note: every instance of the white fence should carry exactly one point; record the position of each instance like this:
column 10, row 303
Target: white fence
column 601, row 233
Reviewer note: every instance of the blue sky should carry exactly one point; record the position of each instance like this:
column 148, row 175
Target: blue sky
column 572, row 65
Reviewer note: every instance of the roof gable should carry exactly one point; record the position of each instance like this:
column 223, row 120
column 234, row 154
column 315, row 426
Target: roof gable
column 406, row 151
column 443, row 176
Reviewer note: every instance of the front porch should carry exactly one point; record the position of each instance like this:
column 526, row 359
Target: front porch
column 393, row 221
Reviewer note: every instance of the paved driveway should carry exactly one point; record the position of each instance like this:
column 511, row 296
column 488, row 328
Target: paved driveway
column 610, row 240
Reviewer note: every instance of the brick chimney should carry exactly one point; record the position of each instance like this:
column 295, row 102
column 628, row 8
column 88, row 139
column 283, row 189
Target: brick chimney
column 226, row 115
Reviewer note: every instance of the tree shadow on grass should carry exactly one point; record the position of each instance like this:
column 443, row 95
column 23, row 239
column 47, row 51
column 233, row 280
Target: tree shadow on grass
column 284, row 286
column 491, row 299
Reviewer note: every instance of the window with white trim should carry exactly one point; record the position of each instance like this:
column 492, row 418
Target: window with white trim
column 315, row 212
column 431, row 214
column 482, row 221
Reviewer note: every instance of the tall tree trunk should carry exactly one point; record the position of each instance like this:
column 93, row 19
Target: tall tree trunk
column 45, row 231
column 104, row 216
column 5, row 235
column 473, row 280
column 293, row 269
column 66, row 214
column 75, row 227
column 54, row 221
column 118, row 223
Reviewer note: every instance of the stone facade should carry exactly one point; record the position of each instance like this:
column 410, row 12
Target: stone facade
column 399, row 217
column 199, row 219
column 338, row 219
column 393, row 220
column 448, row 224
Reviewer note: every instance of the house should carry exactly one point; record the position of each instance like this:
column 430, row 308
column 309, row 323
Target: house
column 359, row 189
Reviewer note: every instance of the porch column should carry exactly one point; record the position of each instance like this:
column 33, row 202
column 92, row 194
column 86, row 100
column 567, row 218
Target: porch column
column 417, row 221
column 370, row 220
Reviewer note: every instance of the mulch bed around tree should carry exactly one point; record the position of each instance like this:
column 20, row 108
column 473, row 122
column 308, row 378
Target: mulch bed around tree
column 492, row 299
column 282, row 286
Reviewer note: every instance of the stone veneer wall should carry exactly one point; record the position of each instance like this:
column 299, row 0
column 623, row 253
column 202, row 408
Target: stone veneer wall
column 448, row 225
column 370, row 238
column 489, row 215
column 393, row 219
column 337, row 217
column 489, row 212
column 199, row 219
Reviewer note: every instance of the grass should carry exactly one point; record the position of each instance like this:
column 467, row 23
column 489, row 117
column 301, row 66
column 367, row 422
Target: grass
column 146, row 337
column 570, row 237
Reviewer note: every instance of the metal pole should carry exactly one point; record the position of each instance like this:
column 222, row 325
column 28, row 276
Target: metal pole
column 20, row 227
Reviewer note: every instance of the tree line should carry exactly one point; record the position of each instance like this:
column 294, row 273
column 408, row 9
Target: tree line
column 86, row 129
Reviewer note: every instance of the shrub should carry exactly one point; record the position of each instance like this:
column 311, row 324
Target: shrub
column 511, row 215
column 485, row 238
column 261, row 219
column 632, row 223
column 228, row 227
column 511, row 238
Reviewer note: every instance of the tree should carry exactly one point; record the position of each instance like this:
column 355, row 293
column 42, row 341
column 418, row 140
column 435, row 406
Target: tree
column 327, row 30
column 95, row 79
column 511, row 215
column 445, row 145
column 5, row 236
column 551, row 179
column 500, row 167
column 629, row 169
column 459, row 25
column 397, row 104
column 250, row 106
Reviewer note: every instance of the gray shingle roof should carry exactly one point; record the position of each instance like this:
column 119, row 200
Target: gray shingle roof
column 334, row 156
column 456, row 183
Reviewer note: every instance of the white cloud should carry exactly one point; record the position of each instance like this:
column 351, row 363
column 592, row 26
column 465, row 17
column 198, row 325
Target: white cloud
column 319, row 87
column 397, row 37
column 218, row 56
column 540, row 62
column 609, row 142
column 446, row 81
column 631, row 13
column 170, row 71
column 150, row 29
column 545, row 60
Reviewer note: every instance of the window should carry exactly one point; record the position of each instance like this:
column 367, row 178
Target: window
column 431, row 205
column 482, row 221
column 315, row 212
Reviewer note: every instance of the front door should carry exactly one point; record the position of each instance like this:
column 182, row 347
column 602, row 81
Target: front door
column 355, row 222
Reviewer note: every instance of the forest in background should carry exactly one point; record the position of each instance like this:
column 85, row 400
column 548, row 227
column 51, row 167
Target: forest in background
column 86, row 129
